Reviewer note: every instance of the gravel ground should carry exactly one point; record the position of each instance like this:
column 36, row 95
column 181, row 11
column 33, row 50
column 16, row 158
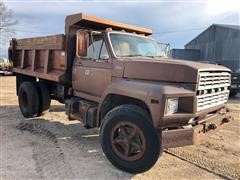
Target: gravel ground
column 50, row 147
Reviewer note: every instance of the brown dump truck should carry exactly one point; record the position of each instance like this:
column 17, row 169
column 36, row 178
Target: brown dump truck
column 112, row 76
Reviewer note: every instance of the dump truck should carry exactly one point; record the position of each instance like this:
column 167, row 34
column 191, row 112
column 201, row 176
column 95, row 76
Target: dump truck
column 112, row 76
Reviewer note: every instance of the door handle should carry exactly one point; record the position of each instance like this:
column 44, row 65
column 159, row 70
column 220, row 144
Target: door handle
column 78, row 64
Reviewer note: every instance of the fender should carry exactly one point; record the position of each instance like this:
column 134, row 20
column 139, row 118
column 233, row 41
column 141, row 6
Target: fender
column 153, row 94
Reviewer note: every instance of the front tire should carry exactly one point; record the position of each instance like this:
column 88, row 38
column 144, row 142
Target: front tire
column 129, row 139
column 28, row 99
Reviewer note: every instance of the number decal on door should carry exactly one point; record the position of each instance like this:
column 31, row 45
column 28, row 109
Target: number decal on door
column 87, row 72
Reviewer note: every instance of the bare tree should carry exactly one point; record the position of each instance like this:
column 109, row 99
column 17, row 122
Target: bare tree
column 6, row 24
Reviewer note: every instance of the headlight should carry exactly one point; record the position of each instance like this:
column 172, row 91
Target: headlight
column 172, row 106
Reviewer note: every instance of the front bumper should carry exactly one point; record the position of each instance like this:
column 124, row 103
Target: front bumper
column 194, row 135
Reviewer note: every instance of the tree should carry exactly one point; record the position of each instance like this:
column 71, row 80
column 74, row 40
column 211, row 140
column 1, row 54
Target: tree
column 6, row 25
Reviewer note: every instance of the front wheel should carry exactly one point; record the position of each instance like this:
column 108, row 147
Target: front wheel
column 129, row 139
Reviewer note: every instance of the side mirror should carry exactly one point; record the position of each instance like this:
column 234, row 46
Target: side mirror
column 82, row 43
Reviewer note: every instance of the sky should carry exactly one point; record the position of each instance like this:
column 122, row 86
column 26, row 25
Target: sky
column 174, row 22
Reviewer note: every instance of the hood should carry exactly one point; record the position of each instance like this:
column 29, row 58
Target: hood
column 170, row 70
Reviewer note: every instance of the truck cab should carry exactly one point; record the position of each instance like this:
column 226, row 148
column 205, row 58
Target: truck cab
column 113, row 76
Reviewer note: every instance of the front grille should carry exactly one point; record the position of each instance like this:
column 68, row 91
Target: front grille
column 213, row 89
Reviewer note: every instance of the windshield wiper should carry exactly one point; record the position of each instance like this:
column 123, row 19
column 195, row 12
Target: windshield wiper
column 136, row 55
column 132, row 55
column 151, row 56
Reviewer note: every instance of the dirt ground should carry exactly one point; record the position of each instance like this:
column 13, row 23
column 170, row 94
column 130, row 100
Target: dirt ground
column 50, row 147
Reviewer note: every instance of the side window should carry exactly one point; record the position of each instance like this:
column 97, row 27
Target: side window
column 97, row 48
column 95, row 43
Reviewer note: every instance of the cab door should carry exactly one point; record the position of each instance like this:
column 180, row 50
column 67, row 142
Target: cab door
column 92, row 69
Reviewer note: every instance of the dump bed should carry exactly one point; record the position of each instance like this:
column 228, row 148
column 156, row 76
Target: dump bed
column 42, row 57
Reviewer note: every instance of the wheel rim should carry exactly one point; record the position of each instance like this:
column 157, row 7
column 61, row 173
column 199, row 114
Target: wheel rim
column 24, row 99
column 128, row 141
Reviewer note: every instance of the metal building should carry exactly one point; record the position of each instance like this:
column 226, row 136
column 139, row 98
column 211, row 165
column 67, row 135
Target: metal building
column 218, row 43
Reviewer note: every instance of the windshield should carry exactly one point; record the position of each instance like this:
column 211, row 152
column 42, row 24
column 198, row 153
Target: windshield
column 127, row 45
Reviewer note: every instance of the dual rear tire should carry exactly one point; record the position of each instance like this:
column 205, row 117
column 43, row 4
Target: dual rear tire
column 33, row 98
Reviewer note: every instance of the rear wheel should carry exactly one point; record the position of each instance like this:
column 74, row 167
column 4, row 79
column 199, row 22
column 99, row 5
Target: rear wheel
column 45, row 99
column 28, row 99
column 129, row 140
